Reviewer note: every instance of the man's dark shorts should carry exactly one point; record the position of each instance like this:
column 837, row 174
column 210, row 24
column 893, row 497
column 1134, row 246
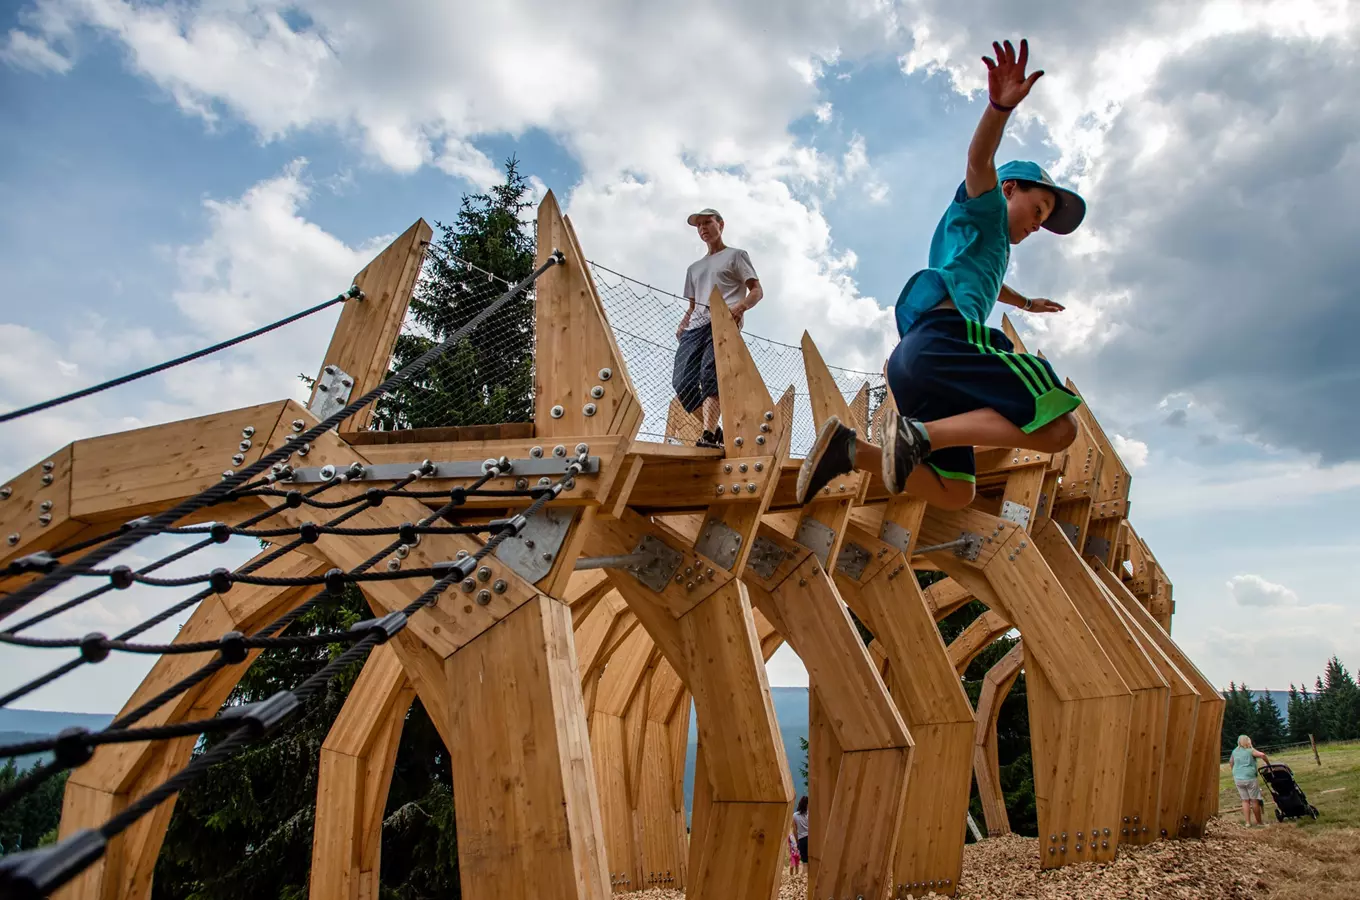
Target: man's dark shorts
column 695, row 376
column 946, row 365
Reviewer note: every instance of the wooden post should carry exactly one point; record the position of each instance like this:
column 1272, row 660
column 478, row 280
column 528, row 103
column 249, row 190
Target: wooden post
column 1312, row 742
column 997, row 684
column 362, row 343
column 356, row 773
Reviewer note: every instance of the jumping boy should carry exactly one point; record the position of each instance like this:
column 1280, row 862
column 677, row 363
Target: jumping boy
column 956, row 382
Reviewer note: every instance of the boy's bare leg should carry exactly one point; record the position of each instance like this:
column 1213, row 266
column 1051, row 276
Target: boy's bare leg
column 923, row 482
column 710, row 413
column 988, row 428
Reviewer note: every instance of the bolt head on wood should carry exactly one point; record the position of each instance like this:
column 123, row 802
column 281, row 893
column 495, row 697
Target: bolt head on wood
column 5, row 492
column 48, row 466
column 557, row 412
column 499, row 586
column 47, row 479
column 13, row 538
column 298, row 424
column 597, row 391
column 606, row 374
column 738, row 442
column 483, row 597
column 238, row 458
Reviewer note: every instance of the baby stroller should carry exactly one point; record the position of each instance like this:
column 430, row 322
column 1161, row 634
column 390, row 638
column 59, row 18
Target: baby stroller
column 1290, row 800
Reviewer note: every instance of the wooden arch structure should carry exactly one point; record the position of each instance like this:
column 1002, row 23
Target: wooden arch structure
column 564, row 698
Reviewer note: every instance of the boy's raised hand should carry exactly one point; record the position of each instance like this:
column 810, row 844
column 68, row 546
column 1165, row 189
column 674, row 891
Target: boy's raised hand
column 1007, row 84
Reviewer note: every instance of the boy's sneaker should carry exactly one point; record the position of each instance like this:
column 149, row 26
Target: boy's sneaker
column 832, row 454
column 708, row 439
column 905, row 446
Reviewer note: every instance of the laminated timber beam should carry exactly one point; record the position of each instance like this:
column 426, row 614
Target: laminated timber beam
column 996, row 686
column 876, row 582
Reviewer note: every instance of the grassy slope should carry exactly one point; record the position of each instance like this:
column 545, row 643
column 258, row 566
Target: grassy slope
column 1322, row 861
column 1333, row 787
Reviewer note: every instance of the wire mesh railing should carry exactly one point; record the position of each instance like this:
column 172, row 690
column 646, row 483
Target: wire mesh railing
column 489, row 379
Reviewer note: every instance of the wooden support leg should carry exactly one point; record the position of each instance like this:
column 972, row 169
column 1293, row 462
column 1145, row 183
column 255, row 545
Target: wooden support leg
column 519, row 749
column 1146, row 746
column 743, row 839
column 1197, row 802
column 931, row 700
column 356, row 772
column 986, row 767
column 824, row 768
column 856, row 855
column 120, row 773
column 1080, row 708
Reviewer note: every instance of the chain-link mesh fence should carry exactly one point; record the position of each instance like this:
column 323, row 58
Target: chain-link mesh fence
column 489, row 378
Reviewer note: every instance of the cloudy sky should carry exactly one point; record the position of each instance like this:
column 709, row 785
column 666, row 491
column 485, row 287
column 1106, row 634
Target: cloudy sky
column 172, row 174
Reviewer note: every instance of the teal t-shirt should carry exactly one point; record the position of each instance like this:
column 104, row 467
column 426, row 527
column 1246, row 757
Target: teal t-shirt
column 1244, row 764
column 968, row 258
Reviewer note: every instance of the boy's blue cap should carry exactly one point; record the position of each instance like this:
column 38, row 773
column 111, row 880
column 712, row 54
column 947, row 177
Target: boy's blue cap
column 1070, row 208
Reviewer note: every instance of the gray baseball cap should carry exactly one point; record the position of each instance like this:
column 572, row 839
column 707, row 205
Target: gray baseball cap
column 709, row 211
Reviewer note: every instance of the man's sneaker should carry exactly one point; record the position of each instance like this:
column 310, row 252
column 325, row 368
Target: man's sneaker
column 708, row 439
column 832, row 454
column 905, row 447
column 718, row 436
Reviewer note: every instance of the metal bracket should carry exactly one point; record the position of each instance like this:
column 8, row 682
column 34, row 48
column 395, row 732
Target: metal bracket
column 332, row 392
column 1043, row 503
column 462, row 468
column 1071, row 529
column 719, row 542
column 531, row 553
column 1098, row 546
column 766, row 557
column 892, row 533
column 853, row 560
column 971, row 546
column 816, row 537
column 1016, row 512
column 658, row 571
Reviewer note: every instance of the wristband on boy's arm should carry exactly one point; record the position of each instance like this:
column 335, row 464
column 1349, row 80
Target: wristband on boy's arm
column 1029, row 304
column 998, row 106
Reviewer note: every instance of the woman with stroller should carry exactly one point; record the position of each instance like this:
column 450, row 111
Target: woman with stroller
column 1244, row 776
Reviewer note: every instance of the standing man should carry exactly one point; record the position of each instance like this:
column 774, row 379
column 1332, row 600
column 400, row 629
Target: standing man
column 695, row 377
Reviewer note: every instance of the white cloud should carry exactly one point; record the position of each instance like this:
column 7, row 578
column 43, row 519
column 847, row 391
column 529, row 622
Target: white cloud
column 260, row 260
column 1253, row 590
column 25, row 51
column 1133, row 452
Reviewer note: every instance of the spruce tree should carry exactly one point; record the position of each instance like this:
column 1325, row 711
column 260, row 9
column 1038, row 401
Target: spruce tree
column 1339, row 702
column 1268, row 729
column 488, row 377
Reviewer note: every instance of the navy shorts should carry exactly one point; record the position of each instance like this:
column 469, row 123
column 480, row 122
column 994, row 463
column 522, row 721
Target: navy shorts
column 946, row 365
column 695, row 376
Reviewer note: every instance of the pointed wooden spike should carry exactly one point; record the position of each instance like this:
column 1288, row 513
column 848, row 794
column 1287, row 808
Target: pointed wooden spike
column 823, row 393
column 741, row 390
column 575, row 355
column 859, row 410
column 362, row 343
column 1008, row 328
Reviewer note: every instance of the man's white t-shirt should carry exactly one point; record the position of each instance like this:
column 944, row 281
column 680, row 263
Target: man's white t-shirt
column 728, row 271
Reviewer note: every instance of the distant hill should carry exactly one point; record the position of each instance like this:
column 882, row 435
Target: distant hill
column 20, row 725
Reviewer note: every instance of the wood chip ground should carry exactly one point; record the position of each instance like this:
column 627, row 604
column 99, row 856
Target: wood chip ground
column 1227, row 865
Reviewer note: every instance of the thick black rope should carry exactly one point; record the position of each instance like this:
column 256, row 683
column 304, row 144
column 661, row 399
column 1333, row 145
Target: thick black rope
column 189, row 357
column 47, row 869
column 158, row 523
column 94, row 647
column 283, row 621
